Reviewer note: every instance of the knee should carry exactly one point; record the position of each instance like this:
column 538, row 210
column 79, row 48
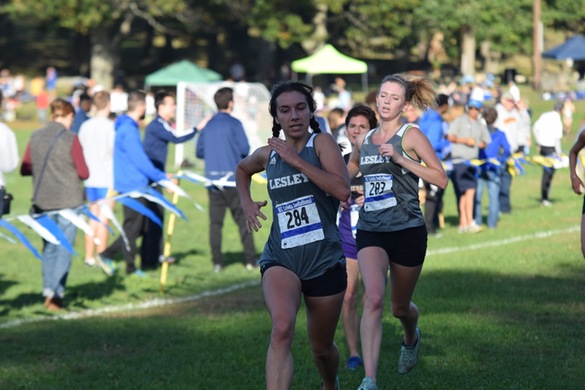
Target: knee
column 323, row 351
column 282, row 332
column 350, row 299
column 375, row 300
column 401, row 310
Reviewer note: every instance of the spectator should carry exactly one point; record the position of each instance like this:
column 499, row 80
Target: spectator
column 343, row 95
column 8, row 157
column 222, row 144
column 119, row 100
column 133, row 170
column 512, row 120
column 42, row 102
column 96, row 136
column 494, row 155
column 157, row 135
column 81, row 115
column 434, row 126
column 548, row 131
column 51, row 81
column 336, row 120
column 568, row 111
column 54, row 158
column 468, row 134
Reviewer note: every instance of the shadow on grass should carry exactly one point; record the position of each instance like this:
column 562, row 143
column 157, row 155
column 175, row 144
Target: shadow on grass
column 480, row 330
column 5, row 284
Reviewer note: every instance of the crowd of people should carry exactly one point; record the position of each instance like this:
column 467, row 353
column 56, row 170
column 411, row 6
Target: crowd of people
column 354, row 197
column 90, row 150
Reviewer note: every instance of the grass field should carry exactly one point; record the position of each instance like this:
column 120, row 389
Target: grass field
column 502, row 309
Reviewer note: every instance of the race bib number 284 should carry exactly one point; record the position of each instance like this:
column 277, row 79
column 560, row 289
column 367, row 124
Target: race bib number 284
column 299, row 222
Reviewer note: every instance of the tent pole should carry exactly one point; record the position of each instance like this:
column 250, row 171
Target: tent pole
column 365, row 82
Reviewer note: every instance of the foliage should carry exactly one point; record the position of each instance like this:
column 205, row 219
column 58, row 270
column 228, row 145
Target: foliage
column 379, row 26
column 565, row 15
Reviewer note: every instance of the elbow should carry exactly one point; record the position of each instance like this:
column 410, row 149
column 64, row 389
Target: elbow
column 343, row 193
column 442, row 184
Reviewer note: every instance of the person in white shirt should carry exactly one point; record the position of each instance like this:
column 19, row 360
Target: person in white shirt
column 96, row 136
column 513, row 118
column 548, row 131
column 119, row 100
column 8, row 156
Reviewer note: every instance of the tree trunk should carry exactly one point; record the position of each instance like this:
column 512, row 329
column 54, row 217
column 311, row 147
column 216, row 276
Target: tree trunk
column 319, row 37
column 468, row 51
column 104, row 57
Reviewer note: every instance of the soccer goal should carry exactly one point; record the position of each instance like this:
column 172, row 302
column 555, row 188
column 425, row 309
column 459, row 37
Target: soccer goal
column 195, row 101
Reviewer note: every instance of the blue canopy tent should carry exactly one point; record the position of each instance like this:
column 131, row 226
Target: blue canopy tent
column 573, row 48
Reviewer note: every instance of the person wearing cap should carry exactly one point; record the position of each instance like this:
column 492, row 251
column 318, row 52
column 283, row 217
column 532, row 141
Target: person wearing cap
column 467, row 134
column 494, row 158
column 514, row 121
column 548, row 131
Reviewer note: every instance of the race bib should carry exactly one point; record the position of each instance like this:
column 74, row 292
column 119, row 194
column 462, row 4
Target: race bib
column 299, row 222
column 378, row 192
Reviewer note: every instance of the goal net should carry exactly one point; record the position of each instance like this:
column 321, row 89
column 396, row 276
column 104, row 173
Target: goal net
column 195, row 101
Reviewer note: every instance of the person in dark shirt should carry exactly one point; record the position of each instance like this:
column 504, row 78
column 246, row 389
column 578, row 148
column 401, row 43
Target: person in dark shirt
column 223, row 144
column 81, row 113
column 157, row 136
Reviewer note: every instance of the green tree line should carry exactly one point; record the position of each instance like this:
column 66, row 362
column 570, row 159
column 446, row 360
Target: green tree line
column 263, row 33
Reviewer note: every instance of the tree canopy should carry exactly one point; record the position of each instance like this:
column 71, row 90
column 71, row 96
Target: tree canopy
column 263, row 32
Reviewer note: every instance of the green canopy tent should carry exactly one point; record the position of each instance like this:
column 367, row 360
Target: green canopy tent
column 184, row 70
column 328, row 60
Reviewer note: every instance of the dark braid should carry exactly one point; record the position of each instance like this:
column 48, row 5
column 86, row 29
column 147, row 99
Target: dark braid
column 275, row 128
column 315, row 125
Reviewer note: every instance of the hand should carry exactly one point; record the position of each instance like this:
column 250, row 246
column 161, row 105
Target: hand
column 360, row 201
column 252, row 212
column 469, row 142
column 577, row 184
column 386, row 150
column 286, row 152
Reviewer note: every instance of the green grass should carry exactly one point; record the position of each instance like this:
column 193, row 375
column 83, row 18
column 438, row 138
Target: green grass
column 502, row 309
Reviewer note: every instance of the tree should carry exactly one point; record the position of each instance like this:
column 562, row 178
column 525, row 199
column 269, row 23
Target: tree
column 506, row 24
column 105, row 22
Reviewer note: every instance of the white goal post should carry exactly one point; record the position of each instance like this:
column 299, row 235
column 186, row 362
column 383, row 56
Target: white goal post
column 195, row 101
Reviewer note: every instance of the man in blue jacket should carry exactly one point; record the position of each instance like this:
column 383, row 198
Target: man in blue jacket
column 133, row 171
column 157, row 136
column 434, row 126
column 222, row 144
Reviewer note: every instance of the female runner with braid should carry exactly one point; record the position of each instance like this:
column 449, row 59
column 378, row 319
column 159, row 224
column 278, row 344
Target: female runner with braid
column 303, row 258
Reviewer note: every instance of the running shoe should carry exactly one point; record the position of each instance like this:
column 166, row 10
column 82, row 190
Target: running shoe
column 139, row 273
column 368, row 384
column 106, row 265
column 408, row 355
column 353, row 363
